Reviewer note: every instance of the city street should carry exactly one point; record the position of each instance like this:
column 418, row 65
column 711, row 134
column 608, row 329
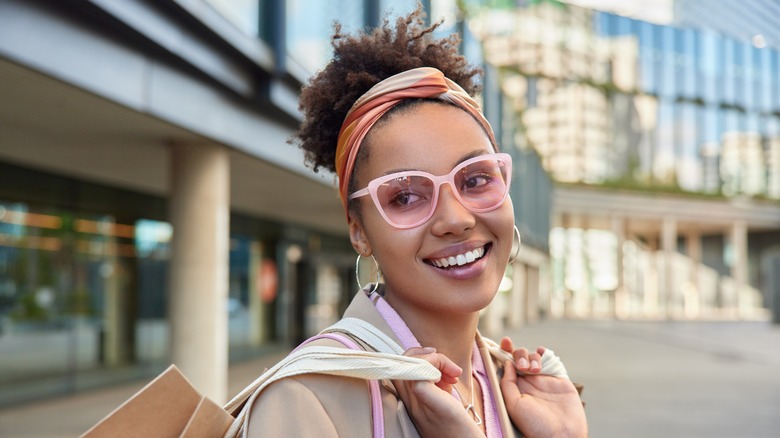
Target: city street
column 642, row 379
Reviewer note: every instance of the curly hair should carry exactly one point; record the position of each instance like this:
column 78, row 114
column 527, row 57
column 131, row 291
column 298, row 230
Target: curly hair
column 362, row 60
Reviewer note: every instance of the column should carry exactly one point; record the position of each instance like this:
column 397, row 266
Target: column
column 620, row 304
column 198, row 291
column 563, row 295
column 582, row 300
column 668, row 248
column 257, row 284
column 739, row 268
column 115, row 314
column 693, row 297
column 532, row 295
column 517, row 299
column 651, row 283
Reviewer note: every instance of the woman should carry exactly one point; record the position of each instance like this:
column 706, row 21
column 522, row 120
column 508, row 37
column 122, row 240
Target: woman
column 425, row 193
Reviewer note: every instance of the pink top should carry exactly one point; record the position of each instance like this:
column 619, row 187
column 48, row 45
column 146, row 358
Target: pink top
column 402, row 332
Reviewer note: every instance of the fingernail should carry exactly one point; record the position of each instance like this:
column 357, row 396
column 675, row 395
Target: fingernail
column 534, row 364
column 428, row 350
column 522, row 363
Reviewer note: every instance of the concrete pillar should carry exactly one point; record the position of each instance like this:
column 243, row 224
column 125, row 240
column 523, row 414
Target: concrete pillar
column 114, row 346
column 693, row 297
column 668, row 248
column 200, row 215
column 739, row 269
column 565, row 296
column 587, row 296
column 490, row 322
column 620, row 304
column 651, row 283
column 532, row 295
column 257, row 332
column 582, row 299
column 517, row 299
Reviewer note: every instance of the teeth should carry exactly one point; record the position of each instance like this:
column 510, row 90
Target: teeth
column 460, row 259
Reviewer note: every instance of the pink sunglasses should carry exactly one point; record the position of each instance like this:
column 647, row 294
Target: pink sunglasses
column 408, row 199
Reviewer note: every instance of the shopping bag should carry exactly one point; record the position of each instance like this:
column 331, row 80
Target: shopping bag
column 168, row 407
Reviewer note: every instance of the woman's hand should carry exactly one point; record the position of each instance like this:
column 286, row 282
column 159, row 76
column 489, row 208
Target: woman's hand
column 431, row 406
column 540, row 406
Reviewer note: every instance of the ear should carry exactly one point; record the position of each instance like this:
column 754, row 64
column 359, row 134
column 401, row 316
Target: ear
column 357, row 234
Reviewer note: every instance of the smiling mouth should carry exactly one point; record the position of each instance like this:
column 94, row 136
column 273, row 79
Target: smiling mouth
column 459, row 260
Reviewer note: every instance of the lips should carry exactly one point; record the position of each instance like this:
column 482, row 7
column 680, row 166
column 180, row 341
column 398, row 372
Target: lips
column 459, row 260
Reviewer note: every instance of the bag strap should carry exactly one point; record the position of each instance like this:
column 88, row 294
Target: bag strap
column 367, row 365
column 367, row 333
column 551, row 363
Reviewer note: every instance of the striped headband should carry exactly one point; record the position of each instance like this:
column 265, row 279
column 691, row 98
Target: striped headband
column 422, row 82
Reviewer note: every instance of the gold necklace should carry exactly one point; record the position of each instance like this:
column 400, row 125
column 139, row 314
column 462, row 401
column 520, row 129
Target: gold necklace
column 470, row 409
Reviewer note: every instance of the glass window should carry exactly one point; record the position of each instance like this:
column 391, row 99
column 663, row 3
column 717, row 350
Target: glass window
column 647, row 54
column 67, row 297
column 711, row 66
column 400, row 7
column 667, row 61
column 730, row 71
column 766, row 87
column 687, row 151
column 744, row 80
column 687, row 70
column 310, row 25
column 664, row 153
column 774, row 88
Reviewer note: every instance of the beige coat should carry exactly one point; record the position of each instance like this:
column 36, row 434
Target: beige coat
column 328, row 406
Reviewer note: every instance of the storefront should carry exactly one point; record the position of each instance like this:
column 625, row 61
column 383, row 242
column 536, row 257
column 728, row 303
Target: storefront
column 83, row 284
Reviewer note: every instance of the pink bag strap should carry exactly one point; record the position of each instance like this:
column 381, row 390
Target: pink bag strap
column 373, row 385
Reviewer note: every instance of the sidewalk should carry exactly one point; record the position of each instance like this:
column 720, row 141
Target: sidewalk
column 642, row 379
column 671, row 379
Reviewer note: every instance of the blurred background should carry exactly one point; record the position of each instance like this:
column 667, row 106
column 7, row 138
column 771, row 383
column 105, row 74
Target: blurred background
column 645, row 136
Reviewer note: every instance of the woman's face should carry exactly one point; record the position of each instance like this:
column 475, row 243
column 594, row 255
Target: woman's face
column 433, row 138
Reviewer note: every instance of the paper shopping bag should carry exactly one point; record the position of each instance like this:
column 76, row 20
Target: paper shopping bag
column 168, row 407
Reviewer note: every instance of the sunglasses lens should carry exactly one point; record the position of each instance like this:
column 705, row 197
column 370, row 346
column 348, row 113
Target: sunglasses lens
column 406, row 200
column 409, row 199
column 482, row 185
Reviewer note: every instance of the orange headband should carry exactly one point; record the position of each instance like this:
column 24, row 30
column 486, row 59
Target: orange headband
column 423, row 82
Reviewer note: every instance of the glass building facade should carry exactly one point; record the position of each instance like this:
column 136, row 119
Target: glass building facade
column 605, row 97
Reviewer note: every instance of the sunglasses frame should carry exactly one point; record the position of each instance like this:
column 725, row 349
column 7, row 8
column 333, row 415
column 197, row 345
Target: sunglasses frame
column 438, row 181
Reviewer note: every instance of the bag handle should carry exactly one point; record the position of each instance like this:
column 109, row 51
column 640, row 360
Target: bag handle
column 367, row 365
column 367, row 333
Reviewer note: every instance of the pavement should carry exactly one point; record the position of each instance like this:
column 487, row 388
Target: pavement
column 642, row 379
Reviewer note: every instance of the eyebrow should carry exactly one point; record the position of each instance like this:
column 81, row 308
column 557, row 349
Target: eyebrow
column 468, row 156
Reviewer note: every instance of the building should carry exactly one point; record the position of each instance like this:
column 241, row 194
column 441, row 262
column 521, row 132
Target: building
column 150, row 207
column 751, row 21
column 653, row 114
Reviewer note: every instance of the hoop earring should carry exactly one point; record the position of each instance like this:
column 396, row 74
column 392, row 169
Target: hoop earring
column 357, row 274
column 515, row 246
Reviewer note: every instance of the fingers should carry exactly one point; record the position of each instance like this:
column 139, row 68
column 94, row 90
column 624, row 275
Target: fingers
column 524, row 361
column 449, row 370
column 506, row 344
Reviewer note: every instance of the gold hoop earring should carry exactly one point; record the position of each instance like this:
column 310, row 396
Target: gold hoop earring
column 515, row 246
column 357, row 274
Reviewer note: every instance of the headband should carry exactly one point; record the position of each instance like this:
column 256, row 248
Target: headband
column 422, row 82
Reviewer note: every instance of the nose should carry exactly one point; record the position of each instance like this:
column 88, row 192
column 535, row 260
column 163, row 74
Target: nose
column 450, row 216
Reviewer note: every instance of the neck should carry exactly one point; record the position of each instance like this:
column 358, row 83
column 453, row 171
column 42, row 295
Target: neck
column 451, row 335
